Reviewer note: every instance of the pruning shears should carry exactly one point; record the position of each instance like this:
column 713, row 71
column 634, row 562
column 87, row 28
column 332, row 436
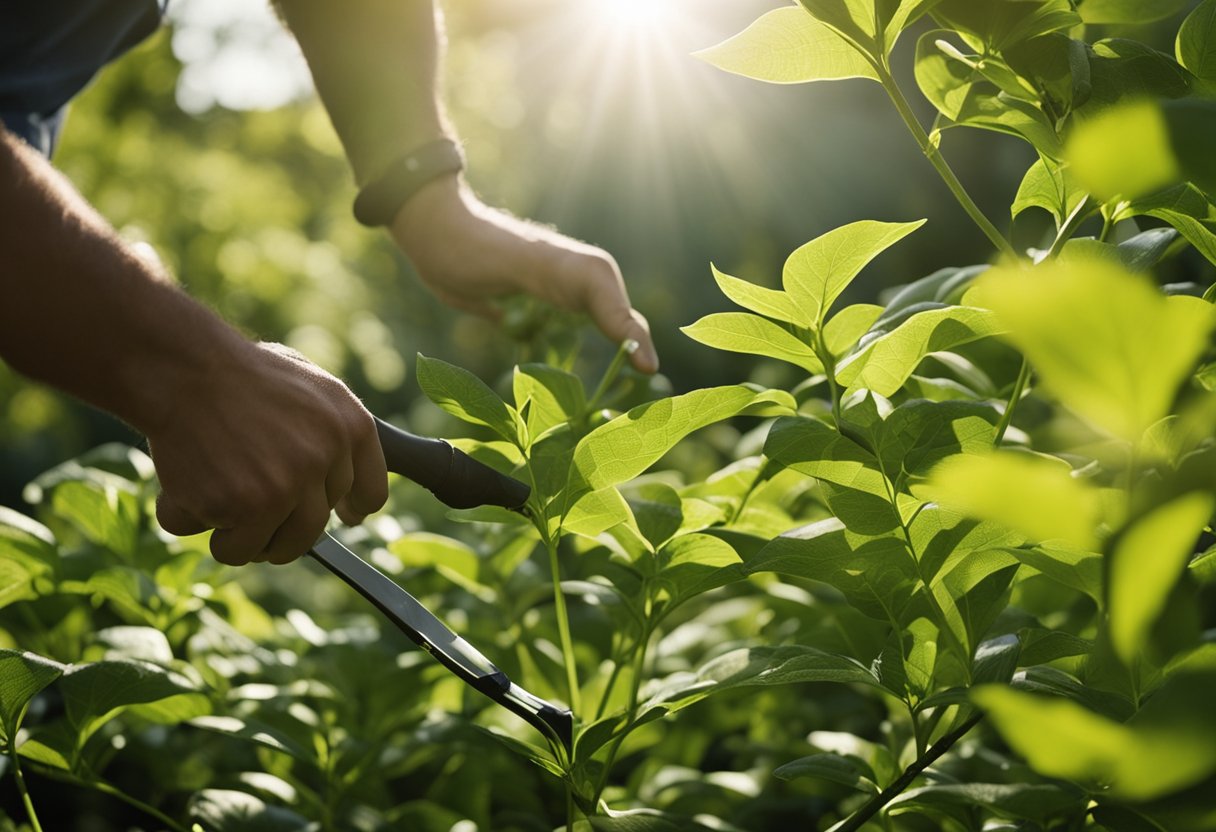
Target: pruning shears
column 459, row 481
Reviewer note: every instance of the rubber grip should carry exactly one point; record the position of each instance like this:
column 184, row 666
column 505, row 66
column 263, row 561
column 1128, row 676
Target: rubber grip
column 453, row 476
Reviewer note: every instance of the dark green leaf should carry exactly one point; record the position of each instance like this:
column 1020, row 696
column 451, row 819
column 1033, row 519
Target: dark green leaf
column 846, row 771
column 1024, row 801
column 22, row 675
column 466, row 397
column 95, row 693
column 1129, row 11
column 222, row 810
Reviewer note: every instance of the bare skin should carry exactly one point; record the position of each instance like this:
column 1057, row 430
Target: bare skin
column 249, row 439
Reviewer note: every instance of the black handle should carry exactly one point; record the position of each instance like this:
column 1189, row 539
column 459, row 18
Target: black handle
column 450, row 474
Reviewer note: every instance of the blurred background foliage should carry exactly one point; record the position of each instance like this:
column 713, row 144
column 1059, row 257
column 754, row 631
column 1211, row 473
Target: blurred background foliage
column 207, row 144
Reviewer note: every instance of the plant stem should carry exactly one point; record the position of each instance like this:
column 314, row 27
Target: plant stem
column 934, row 155
column 106, row 788
column 25, row 794
column 626, row 349
column 635, row 686
column 859, row 818
column 1019, row 387
column 563, row 626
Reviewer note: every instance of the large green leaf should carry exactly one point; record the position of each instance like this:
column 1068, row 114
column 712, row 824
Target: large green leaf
column 788, row 46
column 742, row 332
column 105, row 510
column 22, row 675
column 629, row 444
column 854, row 20
column 1103, row 340
column 95, row 693
column 1123, row 71
column 1187, row 209
column 1148, row 559
column 753, row 667
column 1196, row 43
column 255, row 732
column 465, row 396
column 1125, row 151
column 1129, row 11
column 973, row 593
column 885, row 363
column 1163, row 749
column 816, row 273
column 1034, row 495
column 875, row 574
column 918, row 434
column 772, row 303
column 898, row 16
column 694, row 563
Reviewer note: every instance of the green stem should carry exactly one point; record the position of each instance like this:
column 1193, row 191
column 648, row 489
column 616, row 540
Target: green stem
column 25, row 794
column 917, row 735
column 106, row 788
column 609, row 688
column 875, row 804
column 635, row 686
column 623, row 352
column 563, row 626
column 934, row 155
column 1019, row 387
column 829, row 368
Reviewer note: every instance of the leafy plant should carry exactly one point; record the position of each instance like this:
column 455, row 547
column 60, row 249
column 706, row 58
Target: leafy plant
column 957, row 577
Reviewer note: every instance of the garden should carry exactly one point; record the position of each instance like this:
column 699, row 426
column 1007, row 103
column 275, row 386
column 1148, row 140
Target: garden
column 930, row 552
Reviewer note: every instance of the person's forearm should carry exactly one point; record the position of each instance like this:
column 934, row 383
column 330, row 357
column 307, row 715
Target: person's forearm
column 374, row 63
column 81, row 311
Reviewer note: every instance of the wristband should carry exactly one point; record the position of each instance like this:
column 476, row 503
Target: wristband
column 380, row 200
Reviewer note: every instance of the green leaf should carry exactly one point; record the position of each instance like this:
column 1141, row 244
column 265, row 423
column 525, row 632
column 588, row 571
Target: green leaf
column 818, row 450
column 788, row 46
column 22, row 675
column 885, row 363
column 1196, row 43
column 918, row 434
column 621, row 449
column 1129, row 11
column 1034, row 495
column 1166, row 747
column 852, row 772
column 255, row 732
column 1146, row 562
column 106, row 511
column 16, row 582
column 1192, row 123
column 27, row 542
column 973, row 593
column 1024, row 801
column 596, row 512
column 466, row 397
column 1187, row 209
column 1123, row 71
column 1125, row 151
column 745, row 333
column 639, row 820
column 1003, row 23
column 903, row 15
column 852, row 19
column 875, row 574
column 450, row 558
column 1051, row 187
column 553, row 396
column 1103, row 340
column 816, row 273
column 95, row 693
column 695, row 563
column 223, row 810
column 756, row 666
column 772, row 303
column 843, row 331
column 1081, row 570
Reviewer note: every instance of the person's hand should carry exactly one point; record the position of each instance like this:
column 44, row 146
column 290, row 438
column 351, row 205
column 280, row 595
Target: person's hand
column 468, row 253
column 261, row 451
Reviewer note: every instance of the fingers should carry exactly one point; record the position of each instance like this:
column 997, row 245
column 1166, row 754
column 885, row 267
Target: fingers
column 176, row 520
column 369, row 488
column 248, row 542
column 606, row 301
column 300, row 531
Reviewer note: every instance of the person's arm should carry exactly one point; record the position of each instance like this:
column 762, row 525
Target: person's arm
column 246, row 438
column 375, row 66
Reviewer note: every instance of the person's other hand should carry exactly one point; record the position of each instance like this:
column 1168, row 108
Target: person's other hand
column 261, row 450
column 468, row 253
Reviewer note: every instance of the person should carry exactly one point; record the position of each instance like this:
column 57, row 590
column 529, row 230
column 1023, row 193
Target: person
column 248, row 438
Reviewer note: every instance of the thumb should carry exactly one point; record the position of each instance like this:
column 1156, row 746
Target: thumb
column 176, row 520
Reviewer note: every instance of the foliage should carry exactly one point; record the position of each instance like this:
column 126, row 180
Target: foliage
column 956, row 577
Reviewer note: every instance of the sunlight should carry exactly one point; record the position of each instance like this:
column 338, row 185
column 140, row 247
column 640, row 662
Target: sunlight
column 635, row 16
